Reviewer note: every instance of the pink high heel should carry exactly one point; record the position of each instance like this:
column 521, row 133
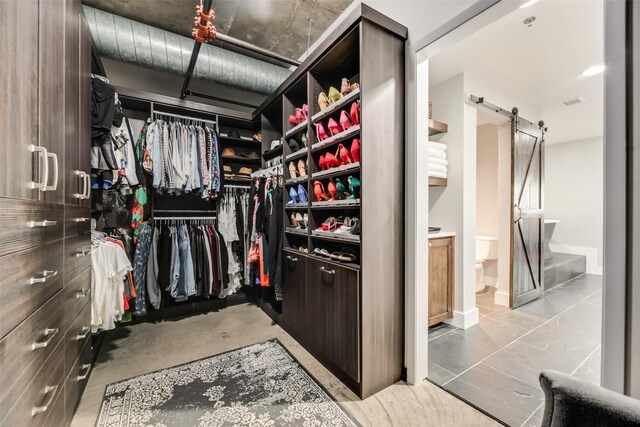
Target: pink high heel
column 345, row 122
column 323, row 163
column 334, row 127
column 305, row 111
column 355, row 150
column 320, row 132
column 355, row 114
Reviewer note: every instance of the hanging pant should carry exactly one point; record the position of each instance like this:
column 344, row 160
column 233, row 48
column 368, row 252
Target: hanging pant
column 140, row 260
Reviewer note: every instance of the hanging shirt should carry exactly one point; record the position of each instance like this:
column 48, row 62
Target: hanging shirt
column 109, row 267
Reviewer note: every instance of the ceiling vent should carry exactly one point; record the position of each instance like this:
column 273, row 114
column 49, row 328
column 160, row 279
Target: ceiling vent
column 573, row 101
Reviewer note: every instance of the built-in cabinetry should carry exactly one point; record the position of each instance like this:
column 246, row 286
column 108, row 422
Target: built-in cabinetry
column 441, row 279
column 44, row 227
column 349, row 315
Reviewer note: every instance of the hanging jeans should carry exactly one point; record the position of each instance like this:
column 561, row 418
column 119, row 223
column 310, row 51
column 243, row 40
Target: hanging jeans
column 153, row 288
column 140, row 259
column 184, row 284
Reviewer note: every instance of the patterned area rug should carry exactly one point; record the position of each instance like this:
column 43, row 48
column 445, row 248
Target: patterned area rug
column 257, row 385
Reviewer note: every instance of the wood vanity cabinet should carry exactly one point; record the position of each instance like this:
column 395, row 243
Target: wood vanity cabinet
column 441, row 279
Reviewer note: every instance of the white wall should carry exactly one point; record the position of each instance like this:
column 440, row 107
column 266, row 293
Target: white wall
column 487, row 220
column 575, row 169
column 453, row 208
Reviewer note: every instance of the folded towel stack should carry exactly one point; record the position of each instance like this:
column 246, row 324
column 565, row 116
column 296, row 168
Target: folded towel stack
column 437, row 160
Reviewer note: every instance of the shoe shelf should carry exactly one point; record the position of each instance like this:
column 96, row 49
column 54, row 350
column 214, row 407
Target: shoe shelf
column 334, row 261
column 239, row 142
column 294, row 251
column 336, row 106
column 274, row 152
column 337, row 171
column 296, row 206
column 296, row 129
column 437, row 128
column 331, row 235
column 240, row 160
column 349, row 133
column 296, row 181
column 296, row 231
column 297, row 155
column 437, row 182
column 341, row 204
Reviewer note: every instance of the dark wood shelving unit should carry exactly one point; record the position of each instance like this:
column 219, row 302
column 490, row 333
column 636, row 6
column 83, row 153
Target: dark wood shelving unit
column 274, row 152
column 348, row 315
column 240, row 160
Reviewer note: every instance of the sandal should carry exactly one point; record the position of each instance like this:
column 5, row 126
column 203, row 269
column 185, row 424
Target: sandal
column 321, row 252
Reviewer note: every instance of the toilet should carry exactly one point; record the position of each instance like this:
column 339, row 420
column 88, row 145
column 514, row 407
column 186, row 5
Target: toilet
column 486, row 250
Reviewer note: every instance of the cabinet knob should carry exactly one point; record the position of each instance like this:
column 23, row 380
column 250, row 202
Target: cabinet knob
column 429, row 244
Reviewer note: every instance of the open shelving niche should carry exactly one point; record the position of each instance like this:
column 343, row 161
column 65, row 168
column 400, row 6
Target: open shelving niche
column 437, row 128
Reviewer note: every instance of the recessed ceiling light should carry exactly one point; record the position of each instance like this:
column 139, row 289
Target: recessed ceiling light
column 529, row 3
column 592, row 71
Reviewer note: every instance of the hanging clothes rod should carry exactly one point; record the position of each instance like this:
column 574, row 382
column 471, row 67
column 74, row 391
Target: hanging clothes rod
column 183, row 218
column 179, row 116
column 240, row 187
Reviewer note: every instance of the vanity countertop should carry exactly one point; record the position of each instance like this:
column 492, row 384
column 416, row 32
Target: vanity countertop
column 441, row 234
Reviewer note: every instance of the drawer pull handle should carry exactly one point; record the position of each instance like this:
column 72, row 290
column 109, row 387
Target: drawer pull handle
column 43, row 223
column 82, row 293
column 46, row 275
column 81, row 175
column 45, row 167
column 81, row 219
column 86, row 373
column 292, row 259
column 50, row 334
column 324, row 270
column 86, row 194
column 86, row 330
column 48, row 390
column 54, row 186
column 80, row 254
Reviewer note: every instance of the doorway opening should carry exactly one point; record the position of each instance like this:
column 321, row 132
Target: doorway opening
column 515, row 161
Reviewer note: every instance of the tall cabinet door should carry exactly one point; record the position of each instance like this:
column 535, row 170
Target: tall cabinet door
column 294, row 313
column 51, row 96
column 74, row 181
column 85, row 102
column 19, row 106
column 334, row 314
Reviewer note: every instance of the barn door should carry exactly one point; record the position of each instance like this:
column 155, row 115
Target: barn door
column 527, row 221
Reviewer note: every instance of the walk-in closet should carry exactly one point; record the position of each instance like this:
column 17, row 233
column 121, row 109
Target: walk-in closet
column 198, row 259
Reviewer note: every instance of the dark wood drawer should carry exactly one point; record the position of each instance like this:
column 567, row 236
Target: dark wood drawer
column 75, row 296
column 77, row 380
column 77, row 256
column 40, row 395
column 57, row 416
column 25, row 224
column 77, row 221
column 28, row 279
column 24, row 350
column 76, row 337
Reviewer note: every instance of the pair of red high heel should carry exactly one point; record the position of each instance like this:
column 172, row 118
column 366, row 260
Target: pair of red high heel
column 299, row 116
column 342, row 156
column 346, row 121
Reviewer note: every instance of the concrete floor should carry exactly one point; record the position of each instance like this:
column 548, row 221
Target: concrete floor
column 495, row 364
column 147, row 347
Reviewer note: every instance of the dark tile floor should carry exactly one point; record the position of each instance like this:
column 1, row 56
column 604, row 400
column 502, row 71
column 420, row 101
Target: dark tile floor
column 495, row 364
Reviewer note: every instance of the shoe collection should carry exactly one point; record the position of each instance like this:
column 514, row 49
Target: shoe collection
column 295, row 145
column 298, row 195
column 342, row 157
column 344, row 255
column 299, row 221
column 348, row 225
column 346, row 121
column 325, row 100
column 299, row 116
column 337, row 189
column 298, row 169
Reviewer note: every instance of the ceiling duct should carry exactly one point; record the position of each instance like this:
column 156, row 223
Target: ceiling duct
column 149, row 47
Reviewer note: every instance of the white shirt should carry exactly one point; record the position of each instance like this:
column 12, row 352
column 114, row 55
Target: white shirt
column 109, row 268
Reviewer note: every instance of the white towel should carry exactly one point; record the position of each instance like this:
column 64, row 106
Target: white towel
column 437, row 161
column 438, row 174
column 437, row 146
column 439, row 154
column 437, row 168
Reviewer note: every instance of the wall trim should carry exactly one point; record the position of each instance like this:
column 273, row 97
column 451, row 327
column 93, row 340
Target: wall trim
column 501, row 298
column 590, row 252
column 465, row 320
